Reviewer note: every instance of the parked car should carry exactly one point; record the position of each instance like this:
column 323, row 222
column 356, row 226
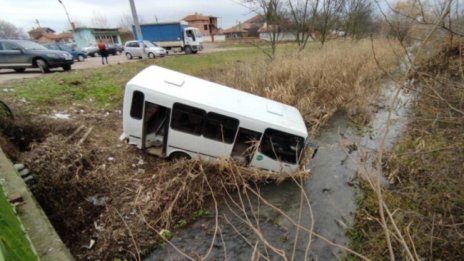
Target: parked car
column 91, row 50
column 22, row 54
column 132, row 49
column 118, row 49
column 77, row 55
column 112, row 49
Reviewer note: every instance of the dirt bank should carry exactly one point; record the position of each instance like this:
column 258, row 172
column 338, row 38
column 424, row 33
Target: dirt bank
column 425, row 170
column 107, row 199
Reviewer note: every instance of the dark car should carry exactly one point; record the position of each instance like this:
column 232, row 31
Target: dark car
column 118, row 49
column 77, row 55
column 112, row 49
column 22, row 54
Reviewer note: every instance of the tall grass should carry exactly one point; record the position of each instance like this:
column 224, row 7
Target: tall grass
column 142, row 196
column 425, row 170
column 342, row 75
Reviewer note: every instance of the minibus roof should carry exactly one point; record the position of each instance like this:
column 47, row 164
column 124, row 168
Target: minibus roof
column 225, row 99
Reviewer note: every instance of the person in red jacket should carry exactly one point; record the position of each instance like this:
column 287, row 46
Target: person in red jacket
column 103, row 52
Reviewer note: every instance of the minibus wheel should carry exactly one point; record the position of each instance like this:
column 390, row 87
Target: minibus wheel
column 178, row 155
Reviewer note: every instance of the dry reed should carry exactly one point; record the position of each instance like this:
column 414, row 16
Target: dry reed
column 343, row 75
column 425, row 169
column 113, row 193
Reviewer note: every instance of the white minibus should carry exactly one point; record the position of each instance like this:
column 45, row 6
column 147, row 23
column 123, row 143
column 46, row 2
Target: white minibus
column 170, row 114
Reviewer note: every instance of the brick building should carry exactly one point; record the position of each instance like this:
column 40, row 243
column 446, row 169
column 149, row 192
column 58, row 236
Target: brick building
column 248, row 28
column 206, row 24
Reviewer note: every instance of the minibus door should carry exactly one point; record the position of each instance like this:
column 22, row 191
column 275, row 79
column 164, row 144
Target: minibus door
column 245, row 145
column 155, row 128
column 133, row 123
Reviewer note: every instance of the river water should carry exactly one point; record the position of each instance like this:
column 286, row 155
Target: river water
column 331, row 190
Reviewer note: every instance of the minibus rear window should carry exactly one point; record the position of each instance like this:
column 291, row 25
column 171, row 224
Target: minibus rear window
column 138, row 99
column 282, row 146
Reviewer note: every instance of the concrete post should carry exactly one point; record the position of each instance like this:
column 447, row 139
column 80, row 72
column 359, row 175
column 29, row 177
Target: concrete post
column 138, row 30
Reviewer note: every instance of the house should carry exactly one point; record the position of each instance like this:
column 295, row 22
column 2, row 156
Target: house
column 248, row 28
column 235, row 32
column 206, row 24
column 47, row 35
column 86, row 36
column 266, row 33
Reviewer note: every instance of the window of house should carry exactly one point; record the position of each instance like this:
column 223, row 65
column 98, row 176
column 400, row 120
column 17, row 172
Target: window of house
column 137, row 105
column 282, row 146
column 205, row 27
column 187, row 118
column 220, row 127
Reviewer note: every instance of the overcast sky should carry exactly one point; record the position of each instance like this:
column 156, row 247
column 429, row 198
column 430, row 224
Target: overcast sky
column 50, row 13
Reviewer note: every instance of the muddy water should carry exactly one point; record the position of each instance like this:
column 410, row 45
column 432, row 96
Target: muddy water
column 331, row 190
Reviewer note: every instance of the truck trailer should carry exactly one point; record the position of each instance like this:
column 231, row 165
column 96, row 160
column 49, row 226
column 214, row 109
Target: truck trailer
column 173, row 36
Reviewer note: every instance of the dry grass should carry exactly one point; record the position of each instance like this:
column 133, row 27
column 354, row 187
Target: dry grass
column 342, row 75
column 95, row 189
column 122, row 198
column 426, row 168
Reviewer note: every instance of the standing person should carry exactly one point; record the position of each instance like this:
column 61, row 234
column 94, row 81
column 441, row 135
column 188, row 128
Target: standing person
column 103, row 52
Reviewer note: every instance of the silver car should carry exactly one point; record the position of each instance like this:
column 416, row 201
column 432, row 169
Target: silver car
column 132, row 49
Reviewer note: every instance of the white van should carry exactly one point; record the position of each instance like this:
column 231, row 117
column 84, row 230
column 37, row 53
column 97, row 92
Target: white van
column 170, row 114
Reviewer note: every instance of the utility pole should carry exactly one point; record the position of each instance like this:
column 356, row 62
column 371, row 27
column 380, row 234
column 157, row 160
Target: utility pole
column 69, row 20
column 138, row 30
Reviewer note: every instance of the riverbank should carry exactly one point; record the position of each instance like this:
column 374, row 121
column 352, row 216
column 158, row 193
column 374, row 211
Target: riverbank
column 424, row 170
column 124, row 202
column 26, row 233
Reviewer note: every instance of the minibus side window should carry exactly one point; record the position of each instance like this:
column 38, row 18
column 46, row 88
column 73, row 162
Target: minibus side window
column 219, row 127
column 282, row 146
column 136, row 111
column 187, row 119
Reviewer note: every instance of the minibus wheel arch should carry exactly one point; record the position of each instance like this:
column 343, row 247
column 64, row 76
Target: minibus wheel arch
column 179, row 155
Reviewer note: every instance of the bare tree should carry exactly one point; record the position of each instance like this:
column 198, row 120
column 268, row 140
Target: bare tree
column 77, row 24
column 126, row 21
column 328, row 17
column 358, row 18
column 402, row 18
column 274, row 14
column 99, row 20
column 10, row 31
column 303, row 14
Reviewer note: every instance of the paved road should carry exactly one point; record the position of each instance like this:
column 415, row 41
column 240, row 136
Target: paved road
column 91, row 62
column 95, row 62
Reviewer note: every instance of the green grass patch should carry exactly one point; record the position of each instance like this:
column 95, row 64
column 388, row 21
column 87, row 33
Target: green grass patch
column 14, row 244
column 102, row 88
column 193, row 64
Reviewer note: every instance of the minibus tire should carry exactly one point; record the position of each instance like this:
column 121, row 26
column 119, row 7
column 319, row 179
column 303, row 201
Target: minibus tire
column 179, row 155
